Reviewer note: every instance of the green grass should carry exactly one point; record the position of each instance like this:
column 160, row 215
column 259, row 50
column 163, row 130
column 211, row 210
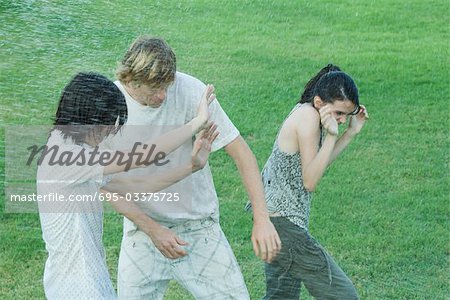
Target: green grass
column 381, row 210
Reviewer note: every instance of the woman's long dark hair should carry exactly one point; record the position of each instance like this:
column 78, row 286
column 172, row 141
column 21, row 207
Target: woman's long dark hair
column 90, row 103
column 331, row 84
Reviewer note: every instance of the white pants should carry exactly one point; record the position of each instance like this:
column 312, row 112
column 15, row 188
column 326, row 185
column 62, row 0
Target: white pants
column 208, row 271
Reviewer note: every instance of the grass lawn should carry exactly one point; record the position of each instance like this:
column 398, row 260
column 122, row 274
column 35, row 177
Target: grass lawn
column 382, row 210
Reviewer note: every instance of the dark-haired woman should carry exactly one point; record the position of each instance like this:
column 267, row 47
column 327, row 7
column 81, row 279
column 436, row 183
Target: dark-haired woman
column 306, row 145
column 91, row 108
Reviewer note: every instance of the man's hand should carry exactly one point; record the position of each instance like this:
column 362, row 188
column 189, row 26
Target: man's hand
column 265, row 240
column 168, row 243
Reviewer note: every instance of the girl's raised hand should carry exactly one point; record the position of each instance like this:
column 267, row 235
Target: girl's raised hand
column 207, row 97
column 328, row 121
column 357, row 121
column 202, row 146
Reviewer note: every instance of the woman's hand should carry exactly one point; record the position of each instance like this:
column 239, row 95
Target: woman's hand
column 328, row 121
column 202, row 146
column 202, row 110
column 357, row 121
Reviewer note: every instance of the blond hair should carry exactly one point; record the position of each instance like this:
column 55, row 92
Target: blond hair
column 149, row 61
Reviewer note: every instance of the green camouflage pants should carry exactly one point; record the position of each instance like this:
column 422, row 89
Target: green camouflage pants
column 303, row 259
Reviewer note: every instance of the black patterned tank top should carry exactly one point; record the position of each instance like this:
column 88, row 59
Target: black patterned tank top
column 283, row 185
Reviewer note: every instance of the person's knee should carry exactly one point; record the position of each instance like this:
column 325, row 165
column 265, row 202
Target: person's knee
column 350, row 292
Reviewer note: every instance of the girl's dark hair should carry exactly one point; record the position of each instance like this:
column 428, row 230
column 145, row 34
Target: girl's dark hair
column 90, row 103
column 331, row 84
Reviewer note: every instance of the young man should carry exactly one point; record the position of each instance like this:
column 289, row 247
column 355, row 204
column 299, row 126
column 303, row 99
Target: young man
column 188, row 245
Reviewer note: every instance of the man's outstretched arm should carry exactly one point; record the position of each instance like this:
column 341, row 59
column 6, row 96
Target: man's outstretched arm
column 265, row 240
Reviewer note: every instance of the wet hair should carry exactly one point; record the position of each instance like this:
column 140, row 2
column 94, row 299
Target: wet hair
column 149, row 61
column 331, row 84
column 90, row 104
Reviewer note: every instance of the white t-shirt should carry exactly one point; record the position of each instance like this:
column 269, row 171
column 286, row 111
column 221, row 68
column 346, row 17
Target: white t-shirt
column 72, row 230
column 179, row 107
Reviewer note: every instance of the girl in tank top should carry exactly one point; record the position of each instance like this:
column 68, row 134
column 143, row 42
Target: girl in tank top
column 307, row 143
